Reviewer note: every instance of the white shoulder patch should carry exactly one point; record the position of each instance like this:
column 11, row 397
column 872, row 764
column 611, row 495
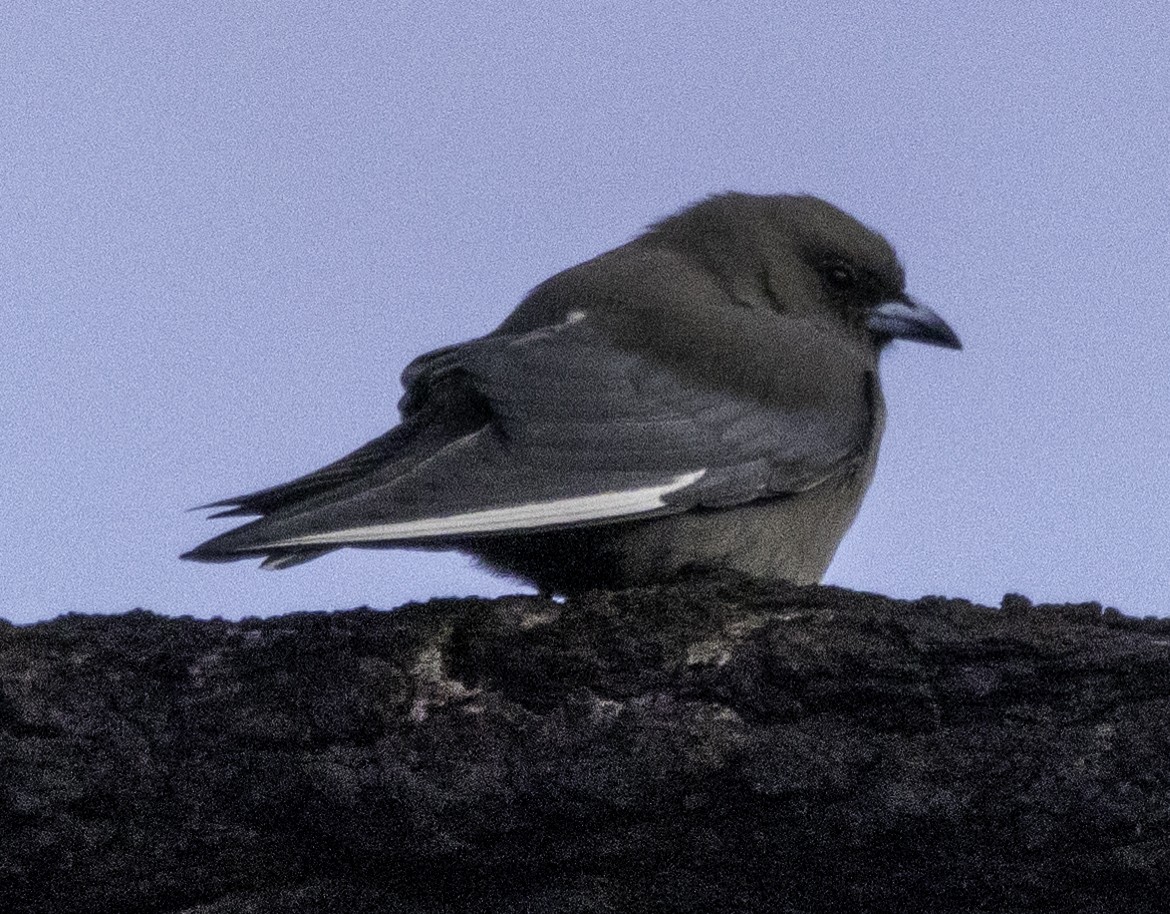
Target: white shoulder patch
column 530, row 516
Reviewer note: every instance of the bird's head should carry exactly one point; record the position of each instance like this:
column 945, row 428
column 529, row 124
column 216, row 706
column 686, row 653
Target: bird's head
column 801, row 256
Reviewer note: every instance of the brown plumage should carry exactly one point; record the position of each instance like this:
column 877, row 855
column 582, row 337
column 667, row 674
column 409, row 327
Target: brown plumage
column 706, row 394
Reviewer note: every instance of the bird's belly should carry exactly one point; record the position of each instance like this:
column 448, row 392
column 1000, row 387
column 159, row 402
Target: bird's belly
column 791, row 538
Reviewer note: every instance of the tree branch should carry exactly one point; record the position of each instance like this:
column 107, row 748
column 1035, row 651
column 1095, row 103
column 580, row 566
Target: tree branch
column 716, row 744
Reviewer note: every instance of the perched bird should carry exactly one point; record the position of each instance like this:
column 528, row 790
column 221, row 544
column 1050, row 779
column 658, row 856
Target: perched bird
column 706, row 394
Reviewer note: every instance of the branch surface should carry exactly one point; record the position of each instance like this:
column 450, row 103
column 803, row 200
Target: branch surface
column 715, row 744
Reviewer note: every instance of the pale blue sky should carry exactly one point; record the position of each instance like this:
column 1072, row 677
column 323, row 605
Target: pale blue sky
column 226, row 227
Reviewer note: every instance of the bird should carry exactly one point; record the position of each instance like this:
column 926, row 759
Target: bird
column 705, row 396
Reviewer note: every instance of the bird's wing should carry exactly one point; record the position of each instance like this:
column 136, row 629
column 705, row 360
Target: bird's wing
column 555, row 427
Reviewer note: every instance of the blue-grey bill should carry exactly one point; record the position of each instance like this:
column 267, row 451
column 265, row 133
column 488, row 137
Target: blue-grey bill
column 905, row 319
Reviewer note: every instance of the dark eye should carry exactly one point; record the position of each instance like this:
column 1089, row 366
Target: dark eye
column 840, row 275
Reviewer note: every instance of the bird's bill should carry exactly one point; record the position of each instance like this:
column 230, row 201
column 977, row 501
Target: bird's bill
column 905, row 319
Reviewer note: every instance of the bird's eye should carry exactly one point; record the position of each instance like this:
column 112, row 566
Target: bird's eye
column 840, row 275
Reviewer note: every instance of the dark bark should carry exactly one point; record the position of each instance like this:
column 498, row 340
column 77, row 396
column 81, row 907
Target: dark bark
column 714, row 745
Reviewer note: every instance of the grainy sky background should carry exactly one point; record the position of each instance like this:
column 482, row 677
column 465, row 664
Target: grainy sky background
column 225, row 228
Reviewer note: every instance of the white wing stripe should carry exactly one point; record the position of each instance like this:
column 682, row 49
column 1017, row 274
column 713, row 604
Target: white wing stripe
column 494, row 520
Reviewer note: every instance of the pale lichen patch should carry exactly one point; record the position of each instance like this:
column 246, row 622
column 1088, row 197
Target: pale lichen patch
column 434, row 688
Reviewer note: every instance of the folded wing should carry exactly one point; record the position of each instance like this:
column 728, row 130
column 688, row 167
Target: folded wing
column 550, row 428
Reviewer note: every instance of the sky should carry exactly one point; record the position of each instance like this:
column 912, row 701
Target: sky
column 226, row 227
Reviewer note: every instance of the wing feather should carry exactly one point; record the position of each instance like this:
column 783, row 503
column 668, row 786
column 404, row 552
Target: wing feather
column 549, row 428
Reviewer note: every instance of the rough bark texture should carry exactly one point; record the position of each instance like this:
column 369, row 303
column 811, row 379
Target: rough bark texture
column 715, row 745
